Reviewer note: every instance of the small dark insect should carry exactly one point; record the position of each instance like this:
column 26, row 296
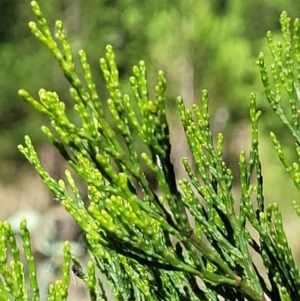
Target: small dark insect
column 77, row 271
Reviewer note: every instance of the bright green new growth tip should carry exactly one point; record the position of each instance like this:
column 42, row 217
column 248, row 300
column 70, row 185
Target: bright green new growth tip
column 143, row 241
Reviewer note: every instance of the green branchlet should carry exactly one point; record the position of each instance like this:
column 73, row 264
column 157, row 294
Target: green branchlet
column 18, row 282
column 282, row 87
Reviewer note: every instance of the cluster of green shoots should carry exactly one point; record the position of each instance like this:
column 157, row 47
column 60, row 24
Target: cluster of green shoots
column 139, row 238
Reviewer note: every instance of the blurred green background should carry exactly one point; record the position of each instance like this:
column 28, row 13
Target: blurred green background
column 211, row 44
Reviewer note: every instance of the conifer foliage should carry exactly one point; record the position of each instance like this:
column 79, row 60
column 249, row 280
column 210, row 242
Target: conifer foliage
column 185, row 240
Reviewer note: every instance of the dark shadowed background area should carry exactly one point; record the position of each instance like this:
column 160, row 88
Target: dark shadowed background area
column 211, row 44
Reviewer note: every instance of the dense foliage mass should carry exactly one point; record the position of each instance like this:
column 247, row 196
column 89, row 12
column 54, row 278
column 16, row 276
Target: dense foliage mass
column 184, row 240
